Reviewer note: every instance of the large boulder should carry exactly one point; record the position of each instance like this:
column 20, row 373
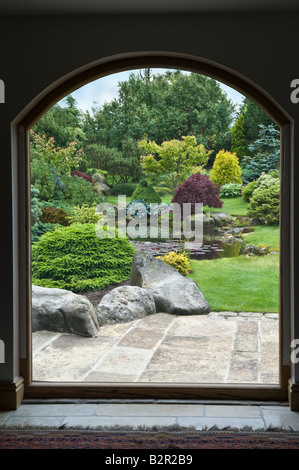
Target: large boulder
column 172, row 292
column 125, row 303
column 62, row 311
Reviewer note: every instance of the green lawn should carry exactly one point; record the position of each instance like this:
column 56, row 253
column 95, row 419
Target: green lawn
column 239, row 284
column 233, row 205
column 264, row 235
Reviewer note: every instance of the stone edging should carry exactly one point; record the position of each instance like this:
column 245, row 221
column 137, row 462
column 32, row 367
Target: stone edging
column 245, row 315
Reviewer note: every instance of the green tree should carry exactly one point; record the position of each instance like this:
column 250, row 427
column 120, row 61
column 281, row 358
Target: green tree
column 238, row 143
column 63, row 123
column 254, row 116
column 165, row 107
column 265, row 153
column 175, row 158
column 120, row 166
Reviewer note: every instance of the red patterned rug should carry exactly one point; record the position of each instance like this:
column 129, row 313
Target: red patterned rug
column 136, row 441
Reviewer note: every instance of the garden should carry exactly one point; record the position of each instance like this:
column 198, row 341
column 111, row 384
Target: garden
column 167, row 138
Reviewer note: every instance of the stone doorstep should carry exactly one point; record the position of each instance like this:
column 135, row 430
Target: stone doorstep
column 199, row 416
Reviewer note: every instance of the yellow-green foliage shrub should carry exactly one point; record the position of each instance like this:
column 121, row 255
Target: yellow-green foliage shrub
column 179, row 261
column 226, row 169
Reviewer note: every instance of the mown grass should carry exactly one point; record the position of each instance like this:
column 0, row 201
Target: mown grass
column 233, row 205
column 249, row 284
column 264, row 235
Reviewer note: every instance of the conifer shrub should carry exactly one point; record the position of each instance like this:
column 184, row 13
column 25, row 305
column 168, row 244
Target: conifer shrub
column 248, row 190
column 226, row 169
column 197, row 189
column 123, row 189
column 76, row 259
column 265, row 200
column 38, row 229
column 147, row 192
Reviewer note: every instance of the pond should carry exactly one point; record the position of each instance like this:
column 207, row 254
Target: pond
column 209, row 249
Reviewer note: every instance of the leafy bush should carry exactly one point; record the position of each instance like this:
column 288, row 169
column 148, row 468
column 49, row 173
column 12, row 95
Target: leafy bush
column 53, row 215
column 84, row 215
column 125, row 189
column 42, row 178
column 147, row 192
column 265, row 200
column 198, row 189
column 78, row 191
column 231, row 190
column 226, row 169
column 75, row 258
column 179, row 261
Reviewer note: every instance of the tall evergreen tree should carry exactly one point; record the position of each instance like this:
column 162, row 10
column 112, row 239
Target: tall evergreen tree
column 239, row 144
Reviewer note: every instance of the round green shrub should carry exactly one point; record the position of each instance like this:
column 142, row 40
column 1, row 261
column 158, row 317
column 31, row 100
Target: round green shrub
column 147, row 192
column 123, row 189
column 248, row 190
column 265, row 203
column 226, row 168
column 76, row 259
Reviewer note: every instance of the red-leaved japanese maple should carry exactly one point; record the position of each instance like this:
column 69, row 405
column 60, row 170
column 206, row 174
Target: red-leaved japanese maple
column 198, row 189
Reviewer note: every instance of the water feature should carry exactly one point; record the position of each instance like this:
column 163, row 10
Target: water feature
column 209, row 249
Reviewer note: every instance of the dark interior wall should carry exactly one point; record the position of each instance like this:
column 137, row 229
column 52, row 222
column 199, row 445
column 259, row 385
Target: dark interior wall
column 37, row 51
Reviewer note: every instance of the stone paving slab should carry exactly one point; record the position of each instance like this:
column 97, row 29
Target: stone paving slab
column 221, row 347
column 199, row 416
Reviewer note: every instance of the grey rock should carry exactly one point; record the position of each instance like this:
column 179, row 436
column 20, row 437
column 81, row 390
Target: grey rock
column 172, row 292
column 100, row 185
column 221, row 218
column 253, row 250
column 124, row 304
column 62, row 311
